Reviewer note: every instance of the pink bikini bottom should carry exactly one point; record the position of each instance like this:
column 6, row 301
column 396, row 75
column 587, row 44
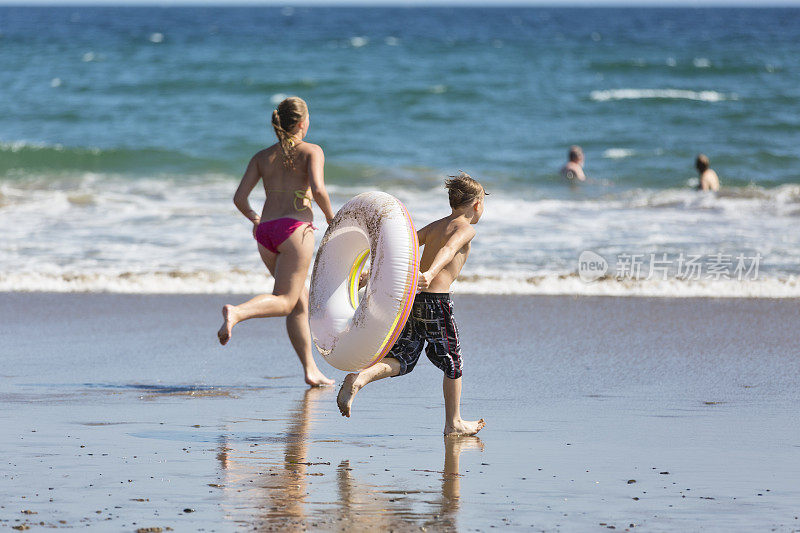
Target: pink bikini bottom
column 272, row 233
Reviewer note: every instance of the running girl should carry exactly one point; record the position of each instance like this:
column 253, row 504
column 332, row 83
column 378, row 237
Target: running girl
column 292, row 173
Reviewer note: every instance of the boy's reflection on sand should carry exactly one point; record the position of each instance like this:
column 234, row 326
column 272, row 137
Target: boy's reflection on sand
column 451, row 478
column 278, row 493
column 368, row 506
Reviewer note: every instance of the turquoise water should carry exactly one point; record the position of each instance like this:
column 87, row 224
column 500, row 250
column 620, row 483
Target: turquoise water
column 120, row 122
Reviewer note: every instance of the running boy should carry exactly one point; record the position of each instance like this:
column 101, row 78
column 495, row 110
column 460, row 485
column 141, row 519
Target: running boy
column 447, row 244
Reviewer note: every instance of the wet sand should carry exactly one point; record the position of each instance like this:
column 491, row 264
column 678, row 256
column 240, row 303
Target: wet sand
column 122, row 412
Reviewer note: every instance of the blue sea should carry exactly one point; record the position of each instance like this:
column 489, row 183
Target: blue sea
column 124, row 132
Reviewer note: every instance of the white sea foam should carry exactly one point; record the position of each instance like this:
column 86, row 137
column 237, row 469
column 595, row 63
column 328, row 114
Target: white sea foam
column 21, row 145
column 172, row 282
column 358, row 42
column 137, row 235
column 663, row 94
column 701, row 62
column 671, row 288
column 277, row 98
column 239, row 282
column 17, row 146
column 618, row 153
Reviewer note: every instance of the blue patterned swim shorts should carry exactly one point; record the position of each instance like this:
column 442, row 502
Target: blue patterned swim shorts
column 431, row 321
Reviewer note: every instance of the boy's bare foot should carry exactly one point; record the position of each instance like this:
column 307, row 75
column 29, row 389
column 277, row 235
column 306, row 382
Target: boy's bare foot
column 346, row 394
column 228, row 321
column 462, row 427
column 315, row 378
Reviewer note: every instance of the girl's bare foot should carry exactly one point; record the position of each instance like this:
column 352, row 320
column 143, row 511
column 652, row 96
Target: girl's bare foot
column 346, row 394
column 228, row 321
column 462, row 427
column 315, row 378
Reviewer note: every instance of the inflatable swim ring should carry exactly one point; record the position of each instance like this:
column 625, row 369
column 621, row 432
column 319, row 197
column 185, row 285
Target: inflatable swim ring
column 351, row 331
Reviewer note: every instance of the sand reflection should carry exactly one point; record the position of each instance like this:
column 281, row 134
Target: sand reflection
column 276, row 489
column 284, row 493
column 451, row 477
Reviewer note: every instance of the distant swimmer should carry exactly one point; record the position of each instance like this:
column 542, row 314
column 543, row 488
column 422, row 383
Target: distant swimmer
column 573, row 170
column 709, row 181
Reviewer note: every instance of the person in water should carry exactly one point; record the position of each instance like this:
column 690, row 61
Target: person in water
column 573, row 169
column 447, row 245
column 292, row 173
column 709, row 181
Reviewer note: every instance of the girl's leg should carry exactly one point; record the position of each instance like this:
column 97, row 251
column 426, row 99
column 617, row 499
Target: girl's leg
column 289, row 268
column 300, row 335
column 453, row 424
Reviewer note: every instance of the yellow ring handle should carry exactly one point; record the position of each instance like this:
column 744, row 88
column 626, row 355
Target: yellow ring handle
column 355, row 274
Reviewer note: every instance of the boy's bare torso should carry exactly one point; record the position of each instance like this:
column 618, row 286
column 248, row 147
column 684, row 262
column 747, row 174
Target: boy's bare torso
column 435, row 236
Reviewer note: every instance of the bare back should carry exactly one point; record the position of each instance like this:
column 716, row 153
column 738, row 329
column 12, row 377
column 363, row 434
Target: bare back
column 573, row 171
column 441, row 234
column 282, row 183
column 709, row 181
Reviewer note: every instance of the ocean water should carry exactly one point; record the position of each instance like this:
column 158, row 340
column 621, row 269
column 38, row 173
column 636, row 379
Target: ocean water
column 124, row 131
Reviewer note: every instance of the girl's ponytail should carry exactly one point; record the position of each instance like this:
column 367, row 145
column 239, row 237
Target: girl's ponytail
column 285, row 119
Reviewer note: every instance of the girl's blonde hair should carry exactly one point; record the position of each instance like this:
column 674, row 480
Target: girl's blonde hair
column 462, row 189
column 285, row 119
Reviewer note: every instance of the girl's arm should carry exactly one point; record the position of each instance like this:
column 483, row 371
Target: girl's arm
column 240, row 198
column 316, row 177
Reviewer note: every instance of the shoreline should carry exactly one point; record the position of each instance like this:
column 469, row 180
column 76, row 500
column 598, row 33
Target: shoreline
column 239, row 283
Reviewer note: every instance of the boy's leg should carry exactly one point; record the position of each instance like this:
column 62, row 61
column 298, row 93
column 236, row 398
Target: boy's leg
column 444, row 351
column 387, row 367
column 400, row 360
column 453, row 424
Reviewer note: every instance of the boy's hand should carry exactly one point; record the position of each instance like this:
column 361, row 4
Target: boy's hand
column 362, row 279
column 425, row 279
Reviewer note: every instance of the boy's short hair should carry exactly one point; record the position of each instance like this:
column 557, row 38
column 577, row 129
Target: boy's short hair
column 702, row 163
column 462, row 189
column 575, row 153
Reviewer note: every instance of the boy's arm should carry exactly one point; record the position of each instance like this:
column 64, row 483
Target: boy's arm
column 446, row 254
column 240, row 198
column 316, row 177
column 421, row 235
